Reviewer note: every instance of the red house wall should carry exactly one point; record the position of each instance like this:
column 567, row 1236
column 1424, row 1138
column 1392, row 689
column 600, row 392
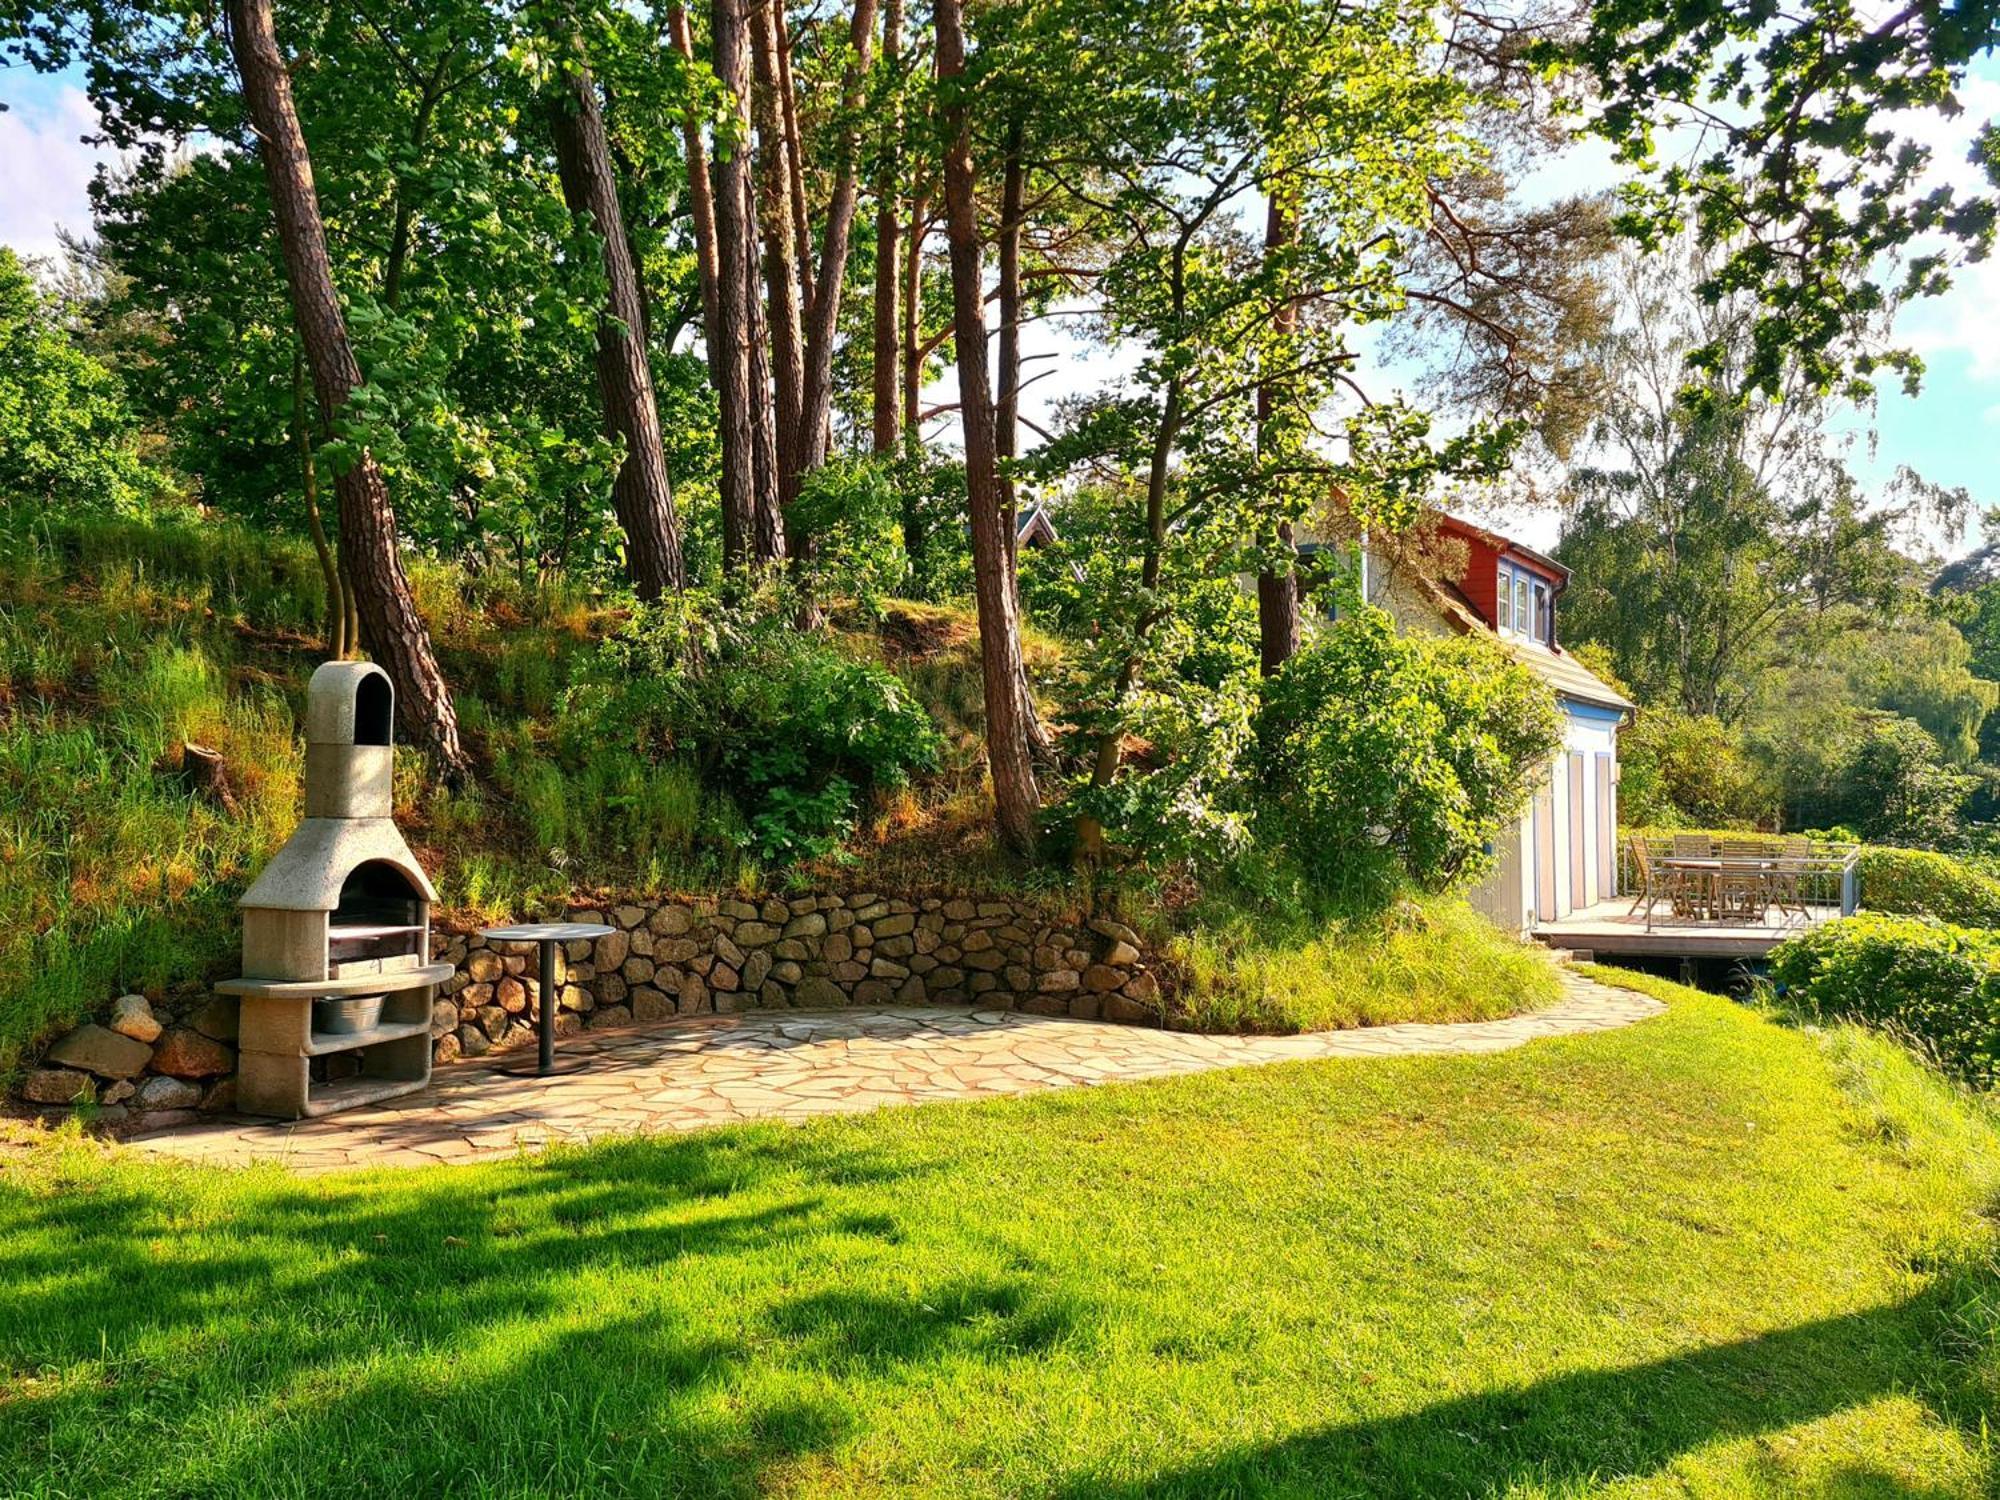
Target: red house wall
column 1481, row 581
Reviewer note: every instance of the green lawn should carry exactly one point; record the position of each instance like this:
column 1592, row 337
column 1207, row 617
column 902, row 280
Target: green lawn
column 1703, row 1255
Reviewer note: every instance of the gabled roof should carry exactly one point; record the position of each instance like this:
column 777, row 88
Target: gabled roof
column 1499, row 543
column 1558, row 668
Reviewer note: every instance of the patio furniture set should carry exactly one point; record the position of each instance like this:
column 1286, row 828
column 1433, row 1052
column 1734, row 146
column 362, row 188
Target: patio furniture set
column 1700, row 878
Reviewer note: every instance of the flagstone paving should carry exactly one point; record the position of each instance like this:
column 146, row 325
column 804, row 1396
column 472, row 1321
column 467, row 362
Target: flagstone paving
column 793, row 1065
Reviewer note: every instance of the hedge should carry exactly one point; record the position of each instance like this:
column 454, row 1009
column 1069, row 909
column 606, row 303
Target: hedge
column 1928, row 982
column 1919, row 883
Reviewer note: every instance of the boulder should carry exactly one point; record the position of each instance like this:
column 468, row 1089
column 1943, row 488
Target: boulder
column 611, row 950
column 1122, row 954
column 167, row 1093
column 1118, row 932
column 1100, row 979
column 184, row 1053
column 132, row 1016
column 221, row 1095
column 819, row 994
column 1142, row 987
column 670, row 921
column 218, row 1019
column 811, row 924
column 58, row 1086
column 483, row 967
column 98, row 1049
column 650, row 1004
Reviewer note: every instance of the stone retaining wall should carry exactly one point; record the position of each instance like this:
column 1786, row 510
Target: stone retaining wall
column 702, row 956
column 142, row 1067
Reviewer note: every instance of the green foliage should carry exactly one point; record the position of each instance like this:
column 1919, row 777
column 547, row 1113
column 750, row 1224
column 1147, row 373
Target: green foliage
column 1806, row 167
column 1389, row 758
column 1924, row 883
column 852, row 510
column 1931, row 984
column 797, row 730
column 1879, row 774
column 68, row 439
column 1679, row 769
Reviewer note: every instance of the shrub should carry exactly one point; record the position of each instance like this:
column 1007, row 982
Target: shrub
column 1390, row 758
column 1932, row 984
column 67, row 437
column 794, row 728
column 1920, row 883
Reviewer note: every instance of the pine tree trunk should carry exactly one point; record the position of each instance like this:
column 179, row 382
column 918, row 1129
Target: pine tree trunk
column 1277, row 587
column 735, row 251
column 887, row 362
column 913, row 312
column 816, row 414
column 641, row 494
column 336, row 599
column 701, row 198
column 394, row 631
column 1016, row 799
column 781, row 267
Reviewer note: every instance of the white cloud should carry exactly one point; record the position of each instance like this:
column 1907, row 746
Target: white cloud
column 45, row 170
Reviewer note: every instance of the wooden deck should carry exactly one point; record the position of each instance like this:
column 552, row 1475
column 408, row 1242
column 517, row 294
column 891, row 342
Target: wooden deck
column 1610, row 927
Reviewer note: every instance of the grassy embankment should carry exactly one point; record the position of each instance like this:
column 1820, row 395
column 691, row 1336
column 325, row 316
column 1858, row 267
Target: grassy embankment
column 119, row 641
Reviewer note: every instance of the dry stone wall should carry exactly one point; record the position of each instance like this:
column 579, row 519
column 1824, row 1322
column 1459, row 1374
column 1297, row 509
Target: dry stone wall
column 150, row 1064
column 702, row 956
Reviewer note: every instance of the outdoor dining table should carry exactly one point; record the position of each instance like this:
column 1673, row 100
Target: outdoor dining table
column 1714, row 867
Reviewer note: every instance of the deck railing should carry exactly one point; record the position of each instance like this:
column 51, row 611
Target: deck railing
column 1829, row 872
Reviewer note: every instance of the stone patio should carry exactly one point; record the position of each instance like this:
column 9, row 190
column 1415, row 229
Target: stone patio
column 793, row 1065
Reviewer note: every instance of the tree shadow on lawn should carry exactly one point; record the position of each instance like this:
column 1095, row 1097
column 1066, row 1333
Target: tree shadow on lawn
column 1577, row 1430
column 430, row 1338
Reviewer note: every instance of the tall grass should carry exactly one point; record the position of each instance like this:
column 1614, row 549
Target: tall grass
column 1431, row 960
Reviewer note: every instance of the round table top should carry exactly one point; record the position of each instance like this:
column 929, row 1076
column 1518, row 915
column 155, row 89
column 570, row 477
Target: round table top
column 547, row 932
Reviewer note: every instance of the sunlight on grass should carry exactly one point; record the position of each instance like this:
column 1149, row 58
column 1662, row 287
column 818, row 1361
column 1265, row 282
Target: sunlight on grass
column 1683, row 1258
column 1422, row 961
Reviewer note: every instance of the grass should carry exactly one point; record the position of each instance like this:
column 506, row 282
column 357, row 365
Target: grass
column 1435, row 960
column 1707, row 1255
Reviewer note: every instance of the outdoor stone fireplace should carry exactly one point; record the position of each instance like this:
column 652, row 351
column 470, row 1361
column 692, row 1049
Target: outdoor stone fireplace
column 337, row 980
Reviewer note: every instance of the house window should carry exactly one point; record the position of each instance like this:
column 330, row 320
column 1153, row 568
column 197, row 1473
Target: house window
column 1525, row 605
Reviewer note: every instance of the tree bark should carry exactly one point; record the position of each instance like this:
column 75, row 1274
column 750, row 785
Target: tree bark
column 337, row 643
column 395, row 632
column 816, row 415
column 641, row 494
column 735, row 251
column 1277, row 587
column 913, row 311
column 701, row 198
column 781, row 265
column 1016, row 798
column 886, row 369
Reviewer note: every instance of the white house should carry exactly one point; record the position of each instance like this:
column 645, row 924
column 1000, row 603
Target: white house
column 1561, row 854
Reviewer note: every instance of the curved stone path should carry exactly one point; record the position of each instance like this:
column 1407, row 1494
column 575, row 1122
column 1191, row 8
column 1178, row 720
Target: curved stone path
column 792, row 1065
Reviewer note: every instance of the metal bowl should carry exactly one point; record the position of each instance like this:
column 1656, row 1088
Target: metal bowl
column 343, row 1015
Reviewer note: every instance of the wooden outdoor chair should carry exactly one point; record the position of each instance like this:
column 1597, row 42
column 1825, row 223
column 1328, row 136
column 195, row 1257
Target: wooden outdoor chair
column 1693, row 890
column 1744, row 894
column 1788, row 881
column 1642, row 873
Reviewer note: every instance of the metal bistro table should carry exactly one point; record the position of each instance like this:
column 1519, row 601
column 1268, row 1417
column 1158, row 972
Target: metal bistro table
column 546, row 935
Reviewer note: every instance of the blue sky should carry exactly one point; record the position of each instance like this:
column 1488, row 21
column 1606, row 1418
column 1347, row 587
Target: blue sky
column 1948, row 433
